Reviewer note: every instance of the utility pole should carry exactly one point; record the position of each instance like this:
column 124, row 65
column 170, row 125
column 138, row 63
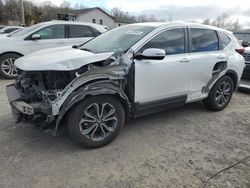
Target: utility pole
column 22, row 13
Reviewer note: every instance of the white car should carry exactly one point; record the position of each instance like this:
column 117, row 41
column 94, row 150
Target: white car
column 9, row 29
column 42, row 36
column 129, row 71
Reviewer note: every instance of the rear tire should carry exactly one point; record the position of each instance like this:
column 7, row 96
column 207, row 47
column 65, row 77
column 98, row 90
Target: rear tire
column 96, row 121
column 220, row 94
column 7, row 67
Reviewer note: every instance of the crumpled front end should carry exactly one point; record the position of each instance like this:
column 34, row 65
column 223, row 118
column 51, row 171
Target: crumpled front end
column 38, row 96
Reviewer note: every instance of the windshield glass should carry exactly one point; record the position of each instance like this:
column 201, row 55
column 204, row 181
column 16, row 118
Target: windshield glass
column 243, row 36
column 117, row 40
column 25, row 30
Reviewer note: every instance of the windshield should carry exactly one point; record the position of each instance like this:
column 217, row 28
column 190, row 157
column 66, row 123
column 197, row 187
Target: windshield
column 25, row 30
column 243, row 36
column 117, row 40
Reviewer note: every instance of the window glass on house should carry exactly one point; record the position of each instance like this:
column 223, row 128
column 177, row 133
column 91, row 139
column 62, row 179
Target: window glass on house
column 93, row 21
column 79, row 31
column 101, row 22
column 172, row 41
column 204, row 40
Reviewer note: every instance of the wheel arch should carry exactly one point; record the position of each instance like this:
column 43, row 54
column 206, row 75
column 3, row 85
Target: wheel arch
column 100, row 87
column 233, row 75
column 11, row 52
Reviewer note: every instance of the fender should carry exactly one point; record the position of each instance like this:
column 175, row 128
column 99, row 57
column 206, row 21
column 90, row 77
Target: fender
column 103, row 87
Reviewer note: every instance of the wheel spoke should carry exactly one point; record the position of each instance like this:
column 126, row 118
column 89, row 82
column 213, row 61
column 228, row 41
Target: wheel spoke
column 88, row 130
column 110, row 129
column 93, row 133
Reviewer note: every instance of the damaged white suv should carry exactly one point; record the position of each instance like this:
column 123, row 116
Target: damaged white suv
column 127, row 72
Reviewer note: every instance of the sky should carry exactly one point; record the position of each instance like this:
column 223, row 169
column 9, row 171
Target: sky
column 177, row 9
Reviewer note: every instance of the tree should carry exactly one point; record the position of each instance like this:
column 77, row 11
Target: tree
column 118, row 13
column 1, row 11
column 207, row 21
column 236, row 26
column 65, row 6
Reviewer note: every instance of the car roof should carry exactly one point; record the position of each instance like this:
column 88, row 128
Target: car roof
column 180, row 23
column 97, row 26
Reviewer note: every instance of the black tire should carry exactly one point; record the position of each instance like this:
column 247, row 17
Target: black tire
column 5, row 60
column 84, row 110
column 214, row 101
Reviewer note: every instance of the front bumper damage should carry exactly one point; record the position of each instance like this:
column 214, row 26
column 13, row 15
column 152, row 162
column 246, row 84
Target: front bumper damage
column 30, row 113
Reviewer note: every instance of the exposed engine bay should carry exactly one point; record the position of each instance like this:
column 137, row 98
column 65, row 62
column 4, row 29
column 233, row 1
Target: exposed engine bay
column 38, row 96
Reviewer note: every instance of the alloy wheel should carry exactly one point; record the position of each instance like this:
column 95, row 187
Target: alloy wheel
column 98, row 121
column 8, row 67
column 223, row 93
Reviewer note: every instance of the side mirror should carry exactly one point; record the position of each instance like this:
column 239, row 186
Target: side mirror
column 245, row 44
column 35, row 37
column 152, row 53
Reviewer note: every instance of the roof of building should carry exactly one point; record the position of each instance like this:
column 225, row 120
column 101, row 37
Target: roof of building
column 86, row 10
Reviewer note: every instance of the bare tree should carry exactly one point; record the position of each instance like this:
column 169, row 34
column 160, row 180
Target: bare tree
column 1, row 12
column 236, row 26
column 118, row 13
column 65, row 6
column 207, row 21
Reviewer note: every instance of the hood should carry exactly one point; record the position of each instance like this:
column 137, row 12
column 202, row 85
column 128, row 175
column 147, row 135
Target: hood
column 5, row 39
column 59, row 59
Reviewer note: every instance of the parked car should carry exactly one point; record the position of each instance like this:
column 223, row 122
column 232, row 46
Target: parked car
column 244, row 37
column 42, row 36
column 9, row 29
column 127, row 72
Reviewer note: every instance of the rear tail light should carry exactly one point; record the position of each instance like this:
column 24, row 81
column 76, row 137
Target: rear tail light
column 241, row 51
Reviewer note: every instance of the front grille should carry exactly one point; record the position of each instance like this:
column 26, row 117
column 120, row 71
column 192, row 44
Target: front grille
column 247, row 57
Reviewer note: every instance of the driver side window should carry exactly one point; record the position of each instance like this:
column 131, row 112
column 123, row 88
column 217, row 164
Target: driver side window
column 52, row 32
column 172, row 41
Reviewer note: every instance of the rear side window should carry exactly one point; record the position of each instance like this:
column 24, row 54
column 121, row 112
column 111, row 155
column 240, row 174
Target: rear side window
column 79, row 31
column 225, row 40
column 204, row 40
column 172, row 41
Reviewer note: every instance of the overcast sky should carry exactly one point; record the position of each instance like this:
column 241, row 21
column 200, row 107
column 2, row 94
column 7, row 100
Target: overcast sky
column 177, row 9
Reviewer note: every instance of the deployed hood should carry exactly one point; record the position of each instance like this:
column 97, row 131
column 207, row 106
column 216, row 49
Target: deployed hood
column 59, row 59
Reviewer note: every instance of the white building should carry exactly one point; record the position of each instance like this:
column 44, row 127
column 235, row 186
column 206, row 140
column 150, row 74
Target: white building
column 98, row 16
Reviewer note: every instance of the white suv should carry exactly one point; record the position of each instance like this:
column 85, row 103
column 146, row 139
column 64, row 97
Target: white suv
column 127, row 72
column 42, row 36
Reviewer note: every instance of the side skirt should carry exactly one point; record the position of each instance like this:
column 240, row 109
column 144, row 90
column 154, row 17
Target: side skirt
column 142, row 109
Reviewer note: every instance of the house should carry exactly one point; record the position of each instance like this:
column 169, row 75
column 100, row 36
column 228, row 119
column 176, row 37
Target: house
column 99, row 16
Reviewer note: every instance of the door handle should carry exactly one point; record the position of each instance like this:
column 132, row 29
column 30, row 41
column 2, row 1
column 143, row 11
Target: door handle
column 185, row 60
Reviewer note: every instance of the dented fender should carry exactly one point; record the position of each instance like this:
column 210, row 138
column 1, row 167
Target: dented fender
column 102, row 87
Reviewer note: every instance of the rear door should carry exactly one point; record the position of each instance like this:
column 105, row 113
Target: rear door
column 207, row 59
column 51, row 36
column 79, row 34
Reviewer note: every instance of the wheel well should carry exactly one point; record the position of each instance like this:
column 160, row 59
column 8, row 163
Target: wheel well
column 11, row 53
column 234, row 78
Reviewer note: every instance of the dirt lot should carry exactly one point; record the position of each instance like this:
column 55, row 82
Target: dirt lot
column 178, row 148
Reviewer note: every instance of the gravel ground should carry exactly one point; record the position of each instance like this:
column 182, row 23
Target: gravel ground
column 178, row 148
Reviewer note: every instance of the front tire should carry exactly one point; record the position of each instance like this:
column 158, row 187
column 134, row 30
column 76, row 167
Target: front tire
column 96, row 121
column 7, row 67
column 220, row 94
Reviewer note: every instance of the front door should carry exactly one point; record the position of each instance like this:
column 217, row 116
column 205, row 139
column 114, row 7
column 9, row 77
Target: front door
column 51, row 36
column 160, row 81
